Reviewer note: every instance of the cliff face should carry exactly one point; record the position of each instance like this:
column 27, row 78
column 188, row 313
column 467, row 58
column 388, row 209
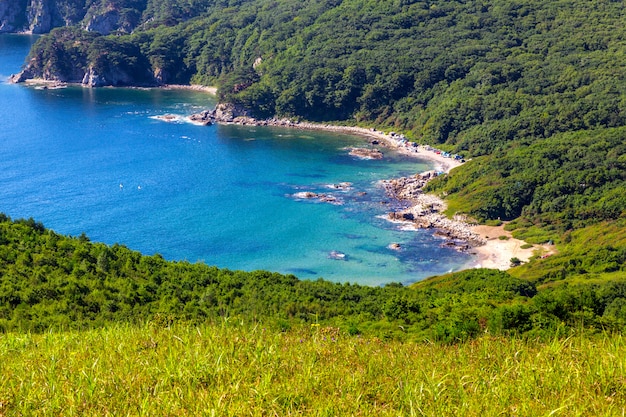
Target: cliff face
column 41, row 16
column 12, row 15
column 73, row 55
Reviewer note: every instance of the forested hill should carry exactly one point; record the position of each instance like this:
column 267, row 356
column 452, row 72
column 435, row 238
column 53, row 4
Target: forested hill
column 533, row 91
column 49, row 281
column 473, row 75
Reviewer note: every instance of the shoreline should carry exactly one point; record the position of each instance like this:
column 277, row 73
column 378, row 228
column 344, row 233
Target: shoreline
column 424, row 211
column 41, row 82
column 492, row 246
column 191, row 87
column 501, row 246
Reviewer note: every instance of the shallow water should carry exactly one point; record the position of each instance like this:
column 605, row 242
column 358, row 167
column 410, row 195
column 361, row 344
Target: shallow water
column 96, row 161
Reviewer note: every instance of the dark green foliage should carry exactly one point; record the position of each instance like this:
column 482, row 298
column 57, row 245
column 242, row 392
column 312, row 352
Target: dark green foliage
column 62, row 55
column 474, row 76
column 52, row 281
column 511, row 318
column 48, row 280
column 492, row 282
column 534, row 89
column 569, row 181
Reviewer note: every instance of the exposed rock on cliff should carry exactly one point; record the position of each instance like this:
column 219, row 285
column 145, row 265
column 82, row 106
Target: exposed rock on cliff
column 104, row 23
column 41, row 16
column 94, row 62
column 113, row 77
column 12, row 16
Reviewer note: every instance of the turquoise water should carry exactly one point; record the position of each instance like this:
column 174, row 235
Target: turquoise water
column 95, row 161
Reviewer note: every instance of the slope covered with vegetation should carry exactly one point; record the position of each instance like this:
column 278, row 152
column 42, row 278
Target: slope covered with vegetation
column 468, row 74
column 531, row 86
column 88, row 329
column 532, row 92
column 51, row 281
column 234, row 368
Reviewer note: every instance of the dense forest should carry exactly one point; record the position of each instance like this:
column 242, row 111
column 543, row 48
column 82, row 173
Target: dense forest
column 49, row 281
column 513, row 81
column 530, row 93
column 471, row 75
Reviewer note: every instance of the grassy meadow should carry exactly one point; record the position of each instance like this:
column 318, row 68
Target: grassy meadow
column 236, row 369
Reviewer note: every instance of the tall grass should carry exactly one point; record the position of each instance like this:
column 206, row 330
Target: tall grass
column 241, row 370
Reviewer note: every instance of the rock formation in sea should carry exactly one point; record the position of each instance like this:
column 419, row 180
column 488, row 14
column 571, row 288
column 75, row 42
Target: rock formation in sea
column 224, row 113
column 425, row 211
column 366, row 153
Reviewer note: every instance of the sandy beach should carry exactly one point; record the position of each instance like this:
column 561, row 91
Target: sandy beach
column 484, row 241
column 442, row 163
column 426, row 210
column 40, row 82
column 497, row 252
column 193, row 87
column 496, row 246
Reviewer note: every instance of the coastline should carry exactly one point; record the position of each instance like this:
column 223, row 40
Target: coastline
column 425, row 211
column 500, row 247
column 192, row 87
column 492, row 246
column 41, row 82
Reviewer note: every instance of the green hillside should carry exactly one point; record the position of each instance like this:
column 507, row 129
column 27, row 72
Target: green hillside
column 234, row 369
column 92, row 330
column 531, row 93
column 535, row 88
column 470, row 75
column 49, row 281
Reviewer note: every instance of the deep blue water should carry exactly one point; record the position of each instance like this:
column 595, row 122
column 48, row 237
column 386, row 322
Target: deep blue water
column 94, row 161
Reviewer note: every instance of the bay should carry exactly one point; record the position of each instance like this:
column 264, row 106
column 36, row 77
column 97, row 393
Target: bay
column 96, row 161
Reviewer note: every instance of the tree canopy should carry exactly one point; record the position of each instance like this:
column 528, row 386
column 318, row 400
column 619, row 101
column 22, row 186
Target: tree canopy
column 470, row 75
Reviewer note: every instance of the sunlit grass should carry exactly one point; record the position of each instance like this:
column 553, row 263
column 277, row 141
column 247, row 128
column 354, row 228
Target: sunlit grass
column 247, row 370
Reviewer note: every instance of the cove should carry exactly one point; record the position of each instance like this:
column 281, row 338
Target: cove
column 96, row 161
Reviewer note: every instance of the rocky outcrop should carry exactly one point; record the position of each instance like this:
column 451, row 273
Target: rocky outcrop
column 41, row 16
column 366, row 153
column 321, row 197
column 161, row 76
column 223, row 113
column 21, row 76
column 38, row 16
column 114, row 77
column 407, row 188
column 426, row 211
column 89, row 78
column 93, row 79
column 12, row 16
column 104, row 23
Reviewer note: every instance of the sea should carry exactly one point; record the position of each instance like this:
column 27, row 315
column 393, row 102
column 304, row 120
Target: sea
column 100, row 162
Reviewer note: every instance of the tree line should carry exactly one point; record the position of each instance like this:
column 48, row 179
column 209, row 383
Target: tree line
column 469, row 75
column 50, row 281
